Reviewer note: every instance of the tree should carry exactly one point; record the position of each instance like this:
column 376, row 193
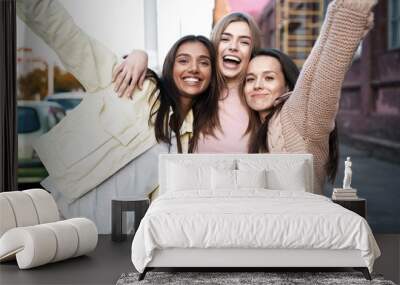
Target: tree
column 65, row 81
column 32, row 83
column 35, row 82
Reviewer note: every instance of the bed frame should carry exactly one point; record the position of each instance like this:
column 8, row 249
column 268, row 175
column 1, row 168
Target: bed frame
column 237, row 259
column 246, row 259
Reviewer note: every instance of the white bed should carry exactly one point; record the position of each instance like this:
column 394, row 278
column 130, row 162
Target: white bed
column 247, row 211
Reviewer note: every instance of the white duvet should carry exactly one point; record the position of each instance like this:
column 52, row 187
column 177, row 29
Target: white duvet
column 252, row 218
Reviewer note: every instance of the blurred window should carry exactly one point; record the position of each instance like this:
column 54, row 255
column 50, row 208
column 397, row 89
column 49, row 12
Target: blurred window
column 28, row 120
column 394, row 24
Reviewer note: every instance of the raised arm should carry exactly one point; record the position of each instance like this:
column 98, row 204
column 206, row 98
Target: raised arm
column 314, row 103
column 87, row 59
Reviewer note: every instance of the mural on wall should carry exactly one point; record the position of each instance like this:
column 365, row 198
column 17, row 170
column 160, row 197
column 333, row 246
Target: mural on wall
column 369, row 113
column 46, row 92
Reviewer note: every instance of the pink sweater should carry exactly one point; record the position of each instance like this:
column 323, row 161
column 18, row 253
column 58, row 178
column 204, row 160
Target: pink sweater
column 308, row 116
column 234, row 119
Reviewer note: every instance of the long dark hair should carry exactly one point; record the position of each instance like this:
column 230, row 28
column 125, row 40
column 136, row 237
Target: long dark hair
column 259, row 130
column 204, row 105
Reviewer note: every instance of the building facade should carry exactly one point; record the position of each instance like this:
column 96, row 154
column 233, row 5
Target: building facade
column 370, row 105
column 292, row 26
column 369, row 112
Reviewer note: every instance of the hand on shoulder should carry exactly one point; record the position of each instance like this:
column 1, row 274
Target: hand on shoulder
column 130, row 73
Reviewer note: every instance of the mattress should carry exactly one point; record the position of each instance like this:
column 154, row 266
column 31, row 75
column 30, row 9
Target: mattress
column 251, row 219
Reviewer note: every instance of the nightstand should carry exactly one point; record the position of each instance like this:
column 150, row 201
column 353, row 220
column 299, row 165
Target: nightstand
column 138, row 205
column 358, row 206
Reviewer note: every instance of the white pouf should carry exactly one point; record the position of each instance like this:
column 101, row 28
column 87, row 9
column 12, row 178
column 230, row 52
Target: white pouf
column 30, row 230
column 37, row 245
column 26, row 208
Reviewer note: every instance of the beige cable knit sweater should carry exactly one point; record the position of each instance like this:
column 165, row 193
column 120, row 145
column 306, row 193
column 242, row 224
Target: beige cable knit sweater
column 307, row 117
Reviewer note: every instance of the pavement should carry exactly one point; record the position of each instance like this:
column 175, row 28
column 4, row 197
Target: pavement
column 376, row 180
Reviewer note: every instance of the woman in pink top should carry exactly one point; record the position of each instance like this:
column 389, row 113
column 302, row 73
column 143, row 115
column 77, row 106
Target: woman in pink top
column 235, row 37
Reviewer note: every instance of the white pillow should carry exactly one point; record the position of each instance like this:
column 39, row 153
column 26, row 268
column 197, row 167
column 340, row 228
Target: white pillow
column 280, row 175
column 181, row 178
column 291, row 180
column 192, row 174
column 223, row 179
column 236, row 179
column 251, row 178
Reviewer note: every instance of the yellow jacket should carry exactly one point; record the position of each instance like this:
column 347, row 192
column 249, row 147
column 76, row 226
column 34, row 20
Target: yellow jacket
column 104, row 132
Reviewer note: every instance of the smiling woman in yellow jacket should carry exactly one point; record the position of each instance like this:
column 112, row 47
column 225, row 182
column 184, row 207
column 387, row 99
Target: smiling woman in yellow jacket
column 107, row 136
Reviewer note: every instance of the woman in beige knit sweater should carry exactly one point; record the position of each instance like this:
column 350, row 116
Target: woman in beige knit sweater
column 298, row 115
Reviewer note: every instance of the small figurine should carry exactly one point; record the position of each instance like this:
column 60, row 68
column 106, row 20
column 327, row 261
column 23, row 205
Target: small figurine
column 347, row 174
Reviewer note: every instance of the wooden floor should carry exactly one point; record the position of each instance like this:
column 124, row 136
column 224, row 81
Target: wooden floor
column 389, row 262
column 110, row 260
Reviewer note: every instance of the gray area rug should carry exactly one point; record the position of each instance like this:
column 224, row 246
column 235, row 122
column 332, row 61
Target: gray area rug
column 273, row 278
